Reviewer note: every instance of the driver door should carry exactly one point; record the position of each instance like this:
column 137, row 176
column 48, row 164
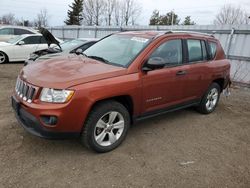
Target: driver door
column 164, row 87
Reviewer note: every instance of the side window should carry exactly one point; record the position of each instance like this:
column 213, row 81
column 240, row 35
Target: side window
column 32, row 40
column 6, row 31
column 43, row 41
column 212, row 49
column 170, row 52
column 21, row 32
column 194, row 50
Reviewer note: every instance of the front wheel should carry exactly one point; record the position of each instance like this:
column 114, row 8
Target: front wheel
column 3, row 58
column 106, row 126
column 210, row 99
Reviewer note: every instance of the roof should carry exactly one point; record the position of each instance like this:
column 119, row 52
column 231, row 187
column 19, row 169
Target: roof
column 153, row 34
column 18, row 27
column 27, row 35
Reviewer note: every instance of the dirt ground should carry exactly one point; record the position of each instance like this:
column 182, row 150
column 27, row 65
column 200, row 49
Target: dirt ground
column 179, row 149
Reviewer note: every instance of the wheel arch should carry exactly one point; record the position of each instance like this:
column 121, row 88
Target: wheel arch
column 125, row 100
column 220, row 82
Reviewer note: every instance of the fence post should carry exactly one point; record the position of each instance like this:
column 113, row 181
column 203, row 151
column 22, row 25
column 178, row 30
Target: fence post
column 230, row 42
column 96, row 31
column 78, row 30
column 63, row 32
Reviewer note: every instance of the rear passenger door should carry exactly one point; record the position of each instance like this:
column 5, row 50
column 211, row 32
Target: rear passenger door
column 197, row 80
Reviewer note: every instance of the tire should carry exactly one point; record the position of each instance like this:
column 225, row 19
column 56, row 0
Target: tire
column 3, row 58
column 106, row 126
column 210, row 100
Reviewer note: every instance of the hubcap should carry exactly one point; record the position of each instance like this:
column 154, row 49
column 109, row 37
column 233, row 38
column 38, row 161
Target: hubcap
column 2, row 57
column 212, row 99
column 109, row 128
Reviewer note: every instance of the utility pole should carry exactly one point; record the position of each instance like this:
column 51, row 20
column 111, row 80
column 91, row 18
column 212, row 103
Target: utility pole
column 172, row 19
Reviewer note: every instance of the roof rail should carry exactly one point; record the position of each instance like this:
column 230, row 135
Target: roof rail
column 191, row 32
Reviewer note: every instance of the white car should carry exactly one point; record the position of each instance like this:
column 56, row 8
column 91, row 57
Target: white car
column 8, row 32
column 20, row 47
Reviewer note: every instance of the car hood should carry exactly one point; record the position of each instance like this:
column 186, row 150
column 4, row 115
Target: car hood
column 66, row 71
column 51, row 55
column 2, row 44
column 50, row 39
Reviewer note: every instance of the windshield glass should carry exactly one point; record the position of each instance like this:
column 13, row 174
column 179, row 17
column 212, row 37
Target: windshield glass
column 68, row 45
column 14, row 40
column 117, row 49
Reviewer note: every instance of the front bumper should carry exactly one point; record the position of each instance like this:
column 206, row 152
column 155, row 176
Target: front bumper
column 32, row 125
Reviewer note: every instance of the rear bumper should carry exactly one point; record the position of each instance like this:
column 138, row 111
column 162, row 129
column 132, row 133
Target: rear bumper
column 32, row 125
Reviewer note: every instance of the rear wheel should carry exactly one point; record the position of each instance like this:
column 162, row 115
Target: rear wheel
column 3, row 58
column 210, row 99
column 106, row 126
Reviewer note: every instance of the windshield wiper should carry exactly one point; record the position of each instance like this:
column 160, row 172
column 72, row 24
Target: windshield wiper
column 98, row 58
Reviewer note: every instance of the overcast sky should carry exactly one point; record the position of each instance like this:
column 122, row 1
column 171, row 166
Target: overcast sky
column 201, row 11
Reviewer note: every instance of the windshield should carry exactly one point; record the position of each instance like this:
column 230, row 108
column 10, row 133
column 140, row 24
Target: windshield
column 68, row 45
column 15, row 39
column 119, row 50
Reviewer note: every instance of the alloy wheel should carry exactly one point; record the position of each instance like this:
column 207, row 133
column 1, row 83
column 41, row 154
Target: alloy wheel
column 2, row 58
column 212, row 99
column 109, row 128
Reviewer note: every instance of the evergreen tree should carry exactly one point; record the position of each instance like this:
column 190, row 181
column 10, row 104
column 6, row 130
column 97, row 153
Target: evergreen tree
column 157, row 19
column 188, row 21
column 75, row 13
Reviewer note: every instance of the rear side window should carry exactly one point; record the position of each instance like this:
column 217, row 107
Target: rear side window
column 212, row 49
column 194, row 50
column 21, row 31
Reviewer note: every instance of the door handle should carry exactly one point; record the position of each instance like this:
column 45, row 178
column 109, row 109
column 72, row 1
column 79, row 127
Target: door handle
column 181, row 72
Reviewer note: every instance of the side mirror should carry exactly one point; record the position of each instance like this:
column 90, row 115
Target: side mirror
column 79, row 51
column 154, row 63
column 21, row 43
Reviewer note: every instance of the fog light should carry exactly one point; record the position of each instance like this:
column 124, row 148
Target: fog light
column 49, row 120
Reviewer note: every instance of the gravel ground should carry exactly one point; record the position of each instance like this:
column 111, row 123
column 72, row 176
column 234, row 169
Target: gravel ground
column 179, row 149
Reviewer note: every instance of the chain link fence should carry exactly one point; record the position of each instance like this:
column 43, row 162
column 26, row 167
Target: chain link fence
column 234, row 39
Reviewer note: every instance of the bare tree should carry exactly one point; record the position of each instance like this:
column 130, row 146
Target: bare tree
column 8, row 19
column 136, row 12
column 110, row 5
column 130, row 10
column 119, row 12
column 93, row 11
column 42, row 18
column 231, row 15
column 88, row 12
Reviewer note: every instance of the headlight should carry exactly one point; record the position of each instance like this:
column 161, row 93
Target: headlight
column 56, row 95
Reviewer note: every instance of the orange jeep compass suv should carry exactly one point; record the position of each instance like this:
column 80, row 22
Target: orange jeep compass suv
column 124, row 77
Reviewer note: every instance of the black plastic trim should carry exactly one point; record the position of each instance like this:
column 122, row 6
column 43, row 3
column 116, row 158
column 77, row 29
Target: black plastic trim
column 31, row 124
column 167, row 110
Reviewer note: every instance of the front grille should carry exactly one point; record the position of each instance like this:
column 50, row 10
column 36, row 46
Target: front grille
column 25, row 90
